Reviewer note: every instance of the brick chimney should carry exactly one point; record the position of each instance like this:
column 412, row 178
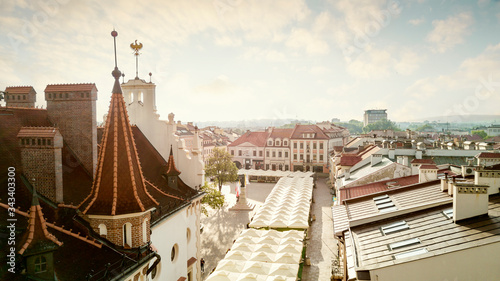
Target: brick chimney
column 22, row 96
column 72, row 109
column 469, row 200
column 41, row 157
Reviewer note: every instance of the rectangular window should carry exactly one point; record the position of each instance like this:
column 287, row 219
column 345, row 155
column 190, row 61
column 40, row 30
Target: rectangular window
column 295, row 145
column 24, row 97
column 301, row 145
column 294, row 156
column 279, row 154
column 44, row 141
column 260, row 153
column 267, row 153
column 410, row 253
column 321, row 158
column 404, row 243
column 314, row 157
column 285, row 143
column 49, row 142
column 232, row 152
column 32, row 141
column 66, row 95
column 22, row 141
column 239, row 152
column 267, row 166
column 39, row 142
column 286, row 167
column 274, row 153
column 314, row 145
column 254, row 153
column 321, row 146
column 286, row 154
column 60, row 95
column 301, row 157
column 394, row 227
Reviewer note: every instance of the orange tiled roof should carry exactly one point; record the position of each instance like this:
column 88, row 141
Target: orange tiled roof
column 301, row 129
column 19, row 89
column 171, row 169
column 37, row 230
column 281, row 133
column 70, row 87
column 255, row 138
column 433, row 167
column 119, row 186
column 488, row 155
column 43, row 132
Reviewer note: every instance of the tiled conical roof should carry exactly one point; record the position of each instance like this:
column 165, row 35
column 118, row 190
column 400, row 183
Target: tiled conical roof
column 37, row 238
column 118, row 186
column 171, row 169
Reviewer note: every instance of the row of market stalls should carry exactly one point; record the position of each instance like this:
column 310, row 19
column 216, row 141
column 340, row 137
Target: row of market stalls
column 272, row 249
column 287, row 206
column 270, row 175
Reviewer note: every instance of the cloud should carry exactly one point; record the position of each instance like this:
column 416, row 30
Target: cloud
column 301, row 38
column 450, row 32
column 416, row 22
column 258, row 54
column 221, row 85
column 376, row 63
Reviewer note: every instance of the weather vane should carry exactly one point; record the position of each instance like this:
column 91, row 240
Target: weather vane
column 136, row 47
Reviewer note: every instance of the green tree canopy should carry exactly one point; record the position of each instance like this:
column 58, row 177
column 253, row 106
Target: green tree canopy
column 480, row 133
column 384, row 124
column 220, row 167
column 213, row 198
column 354, row 126
column 424, row 128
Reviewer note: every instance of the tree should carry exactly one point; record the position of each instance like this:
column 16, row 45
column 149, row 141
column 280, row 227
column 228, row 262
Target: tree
column 220, row 167
column 354, row 126
column 384, row 124
column 213, row 198
column 480, row 133
column 424, row 128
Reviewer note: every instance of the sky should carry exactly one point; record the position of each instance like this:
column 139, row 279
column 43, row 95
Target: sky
column 221, row 60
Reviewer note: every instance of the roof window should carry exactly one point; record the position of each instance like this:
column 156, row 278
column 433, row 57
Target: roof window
column 394, row 227
column 384, row 203
column 410, row 253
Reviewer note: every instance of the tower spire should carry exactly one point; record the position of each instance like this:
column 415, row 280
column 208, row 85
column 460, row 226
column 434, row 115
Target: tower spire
column 136, row 47
column 116, row 73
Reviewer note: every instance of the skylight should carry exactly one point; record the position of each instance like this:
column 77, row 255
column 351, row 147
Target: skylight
column 384, row 203
column 448, row 213
column 394, row 227
column 404, row 243
column 410, row 253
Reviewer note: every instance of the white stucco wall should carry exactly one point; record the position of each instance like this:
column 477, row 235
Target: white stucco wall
column 173, row 231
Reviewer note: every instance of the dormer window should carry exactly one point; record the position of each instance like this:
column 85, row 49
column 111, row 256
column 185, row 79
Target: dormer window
column 278, row 142
column 285, row 143
column 172, row 182
column 40, row 264
column 270, row 142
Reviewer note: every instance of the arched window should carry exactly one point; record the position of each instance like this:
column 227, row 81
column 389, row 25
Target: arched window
column 141, row 97
column 103, row 231
column 127, row 235
column 40, row 264
column 145, row 230
column 131, row 97
column 174, row 253
column 188, row 234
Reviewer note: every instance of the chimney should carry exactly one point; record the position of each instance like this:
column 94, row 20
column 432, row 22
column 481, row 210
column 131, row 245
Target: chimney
column 41, row 157
column 469, row 200
column 427, row 173
column 375, row 159
column 444, row 183
column 451, row 184
column 488, row 176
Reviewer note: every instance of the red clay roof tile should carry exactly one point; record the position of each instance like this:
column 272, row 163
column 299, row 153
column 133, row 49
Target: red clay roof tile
column 70, row 87
column 19, row 89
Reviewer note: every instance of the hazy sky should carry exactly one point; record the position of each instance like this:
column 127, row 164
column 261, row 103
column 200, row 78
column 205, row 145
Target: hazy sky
column 245, row 59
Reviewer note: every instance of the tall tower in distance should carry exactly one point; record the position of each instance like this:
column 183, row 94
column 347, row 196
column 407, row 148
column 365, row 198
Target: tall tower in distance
column 72, row 109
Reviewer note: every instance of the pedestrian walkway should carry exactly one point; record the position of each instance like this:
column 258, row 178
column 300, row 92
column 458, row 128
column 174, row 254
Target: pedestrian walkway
column 321, row 247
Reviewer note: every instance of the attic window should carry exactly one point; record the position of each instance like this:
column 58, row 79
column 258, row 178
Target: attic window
column 448, row 213
column 40, row 264
column 410, row 253
column 404, row 243
column 50, row 95
column 394, row 227
column 384, row 203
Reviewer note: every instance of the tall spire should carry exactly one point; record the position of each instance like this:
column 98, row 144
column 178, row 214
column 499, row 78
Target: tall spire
column 116, row 73
column 119, row 186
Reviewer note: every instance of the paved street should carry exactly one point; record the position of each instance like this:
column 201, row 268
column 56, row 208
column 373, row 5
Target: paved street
column 322, row 248
column 223, row 227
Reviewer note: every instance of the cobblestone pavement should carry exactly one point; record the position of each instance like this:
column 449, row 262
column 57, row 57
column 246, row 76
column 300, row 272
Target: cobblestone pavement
column 222, row 227
column 321, row 247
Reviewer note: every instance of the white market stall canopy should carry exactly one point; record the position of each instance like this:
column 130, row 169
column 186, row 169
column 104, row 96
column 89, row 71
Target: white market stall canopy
column 265, row 255
column 287, row 206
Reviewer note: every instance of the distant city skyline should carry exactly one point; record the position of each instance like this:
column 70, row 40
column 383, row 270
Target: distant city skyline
column 225, row 60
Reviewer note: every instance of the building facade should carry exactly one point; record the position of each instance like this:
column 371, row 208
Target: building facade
column 374, row 115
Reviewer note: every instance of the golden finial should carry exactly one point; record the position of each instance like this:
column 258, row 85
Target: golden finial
column 136, row 47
